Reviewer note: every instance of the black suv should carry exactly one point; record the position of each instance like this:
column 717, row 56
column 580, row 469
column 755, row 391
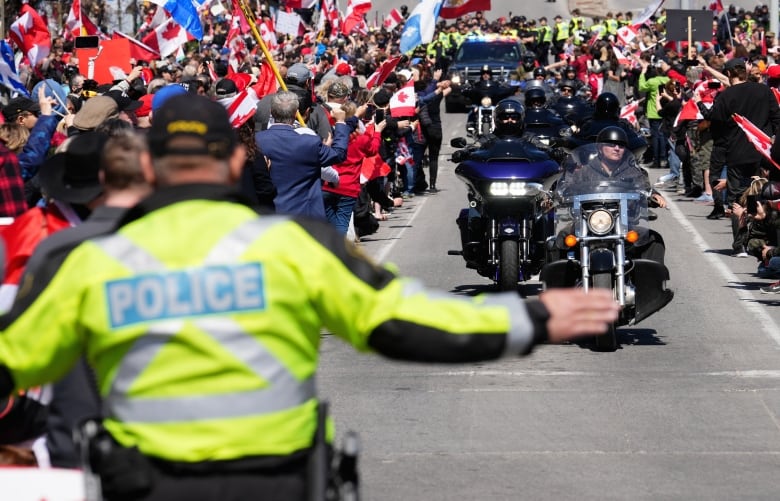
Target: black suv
column 502, row 54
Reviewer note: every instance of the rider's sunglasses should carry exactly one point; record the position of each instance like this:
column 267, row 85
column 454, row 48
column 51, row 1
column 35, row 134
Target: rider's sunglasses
column 615, row 145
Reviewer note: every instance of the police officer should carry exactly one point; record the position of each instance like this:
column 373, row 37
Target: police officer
column 202, row 322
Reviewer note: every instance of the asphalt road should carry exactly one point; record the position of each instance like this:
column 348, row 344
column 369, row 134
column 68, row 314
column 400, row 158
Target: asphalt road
column 688, row 408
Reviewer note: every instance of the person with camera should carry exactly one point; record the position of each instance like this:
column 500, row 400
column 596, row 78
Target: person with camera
column 207, row 359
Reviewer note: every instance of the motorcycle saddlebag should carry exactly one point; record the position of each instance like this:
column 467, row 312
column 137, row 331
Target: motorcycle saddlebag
column 648, row 279
column 561, row 273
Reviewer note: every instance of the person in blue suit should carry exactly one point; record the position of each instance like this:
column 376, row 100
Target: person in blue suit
column 296, row 155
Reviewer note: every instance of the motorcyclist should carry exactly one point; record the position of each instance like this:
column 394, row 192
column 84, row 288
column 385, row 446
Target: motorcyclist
column 606, row 113
column 569, row 106
column 609, row 160
column 486, row 86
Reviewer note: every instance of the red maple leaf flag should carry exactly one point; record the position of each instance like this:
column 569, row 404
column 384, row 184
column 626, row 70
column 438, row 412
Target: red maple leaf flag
column 30, row 34
column 756, row 136
column 627, row 34
column 73, row 22
column 300, row 4
column 238, row 13
column 451, row 9
column 167, row 38
column 266, row 81
column 380, row 75
column 138, row 50
column 404, row 101
column 716, row 6
column 689, row 111
column 356, row 9
column 393, row 19
column 628, row 112
column 776, row 92
column 241, row 107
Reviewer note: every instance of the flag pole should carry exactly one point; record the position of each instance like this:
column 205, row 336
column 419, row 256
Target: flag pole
column 250, row 17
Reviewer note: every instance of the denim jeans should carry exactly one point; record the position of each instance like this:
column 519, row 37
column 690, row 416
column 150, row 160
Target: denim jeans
column 674, row 162
column 657, row 141
column 338, row 210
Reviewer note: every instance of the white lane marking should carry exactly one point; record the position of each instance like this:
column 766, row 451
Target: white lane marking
column 747, row 374
column 385, row 251
column 768, row 325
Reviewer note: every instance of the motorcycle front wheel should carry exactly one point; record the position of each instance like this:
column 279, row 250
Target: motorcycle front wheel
column 607, row 341
column 508, row 265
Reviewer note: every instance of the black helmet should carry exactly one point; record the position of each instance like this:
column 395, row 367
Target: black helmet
column 486, row 69
column 535, row 97
column 567, row 84
column 569, row 69
column 529, row 61
column 612, row 135
column 505, row 109
column 607, row 106
column 540, row 72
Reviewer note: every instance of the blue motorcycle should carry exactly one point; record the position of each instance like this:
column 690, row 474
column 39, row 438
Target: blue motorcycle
column 504, row 228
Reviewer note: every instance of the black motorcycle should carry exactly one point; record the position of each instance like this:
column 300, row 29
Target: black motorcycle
column 484, row 96
column 504, row 228
column 601, row 225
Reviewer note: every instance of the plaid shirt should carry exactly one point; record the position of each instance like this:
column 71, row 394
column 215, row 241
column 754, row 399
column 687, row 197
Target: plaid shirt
column 12, row 200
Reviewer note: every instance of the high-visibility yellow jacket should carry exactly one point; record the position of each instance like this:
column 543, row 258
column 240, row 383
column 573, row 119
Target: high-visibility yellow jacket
column 202, row 322
column 561, row 31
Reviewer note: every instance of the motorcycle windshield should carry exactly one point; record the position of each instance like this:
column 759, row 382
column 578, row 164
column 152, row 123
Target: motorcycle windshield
column 604, row 173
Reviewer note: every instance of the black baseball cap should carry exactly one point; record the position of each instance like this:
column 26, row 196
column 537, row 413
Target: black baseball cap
column 193, row 116
column 19, row 105
column 72, row 176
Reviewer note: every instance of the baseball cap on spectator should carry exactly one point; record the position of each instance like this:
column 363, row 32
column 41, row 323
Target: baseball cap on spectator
column 225, row 88
column 773, row 71
column 298, row 74
column 72, row 175
column 192, row 116
column 94, row 112
column 165, row 93
column 146, row 106
column 407, row 74
column 338, row 90
column 343, row 69
column 123, row 101
column 19, row 105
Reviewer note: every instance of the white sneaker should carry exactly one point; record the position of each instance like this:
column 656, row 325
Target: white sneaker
column 666, row 178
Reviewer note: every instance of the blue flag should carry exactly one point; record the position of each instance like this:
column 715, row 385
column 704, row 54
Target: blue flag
column 421, row 25
column 185, row 13
column 8, row 75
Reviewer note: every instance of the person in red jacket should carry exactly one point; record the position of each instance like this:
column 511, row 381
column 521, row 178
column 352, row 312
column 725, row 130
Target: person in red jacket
column 340, row 199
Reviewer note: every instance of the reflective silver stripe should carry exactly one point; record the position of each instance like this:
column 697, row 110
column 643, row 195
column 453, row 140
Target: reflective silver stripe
column 285, row 391
column 521, row 330
column 235, row 243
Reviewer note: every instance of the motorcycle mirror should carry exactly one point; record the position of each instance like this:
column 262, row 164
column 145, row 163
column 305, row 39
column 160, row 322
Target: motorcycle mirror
column 459, row 142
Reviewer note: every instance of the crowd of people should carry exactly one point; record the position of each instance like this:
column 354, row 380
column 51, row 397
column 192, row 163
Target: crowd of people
column 338, row 146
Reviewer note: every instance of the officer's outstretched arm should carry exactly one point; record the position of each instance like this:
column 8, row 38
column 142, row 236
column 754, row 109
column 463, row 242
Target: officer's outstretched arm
column 372, row 308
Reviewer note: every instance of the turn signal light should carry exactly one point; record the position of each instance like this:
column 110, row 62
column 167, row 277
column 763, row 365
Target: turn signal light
column 570, row 240
column 632, row 236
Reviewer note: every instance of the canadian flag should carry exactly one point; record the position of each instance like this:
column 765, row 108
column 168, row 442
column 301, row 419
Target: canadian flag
column 776, row 92
column 393, row 19
column 689, row 111
column 268, row 34
column 241, row 107
column 167, row 38
column 756, row 136
column 266, row 80
column 404, row 101
column 329, row 13
column 627, row 34
column 30, row 34
column 78, row 23
column 138, row 50
column 356, row 9
column 621, row 58
column 716, row 6
column 628, row 112
column 238, row 13
column 300, row 4
column 380, row 75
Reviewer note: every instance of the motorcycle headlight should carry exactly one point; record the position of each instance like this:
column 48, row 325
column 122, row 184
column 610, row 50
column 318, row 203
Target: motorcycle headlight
column 486, row 101
column 514, row 189
column 600, row 222
column 455, row 79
